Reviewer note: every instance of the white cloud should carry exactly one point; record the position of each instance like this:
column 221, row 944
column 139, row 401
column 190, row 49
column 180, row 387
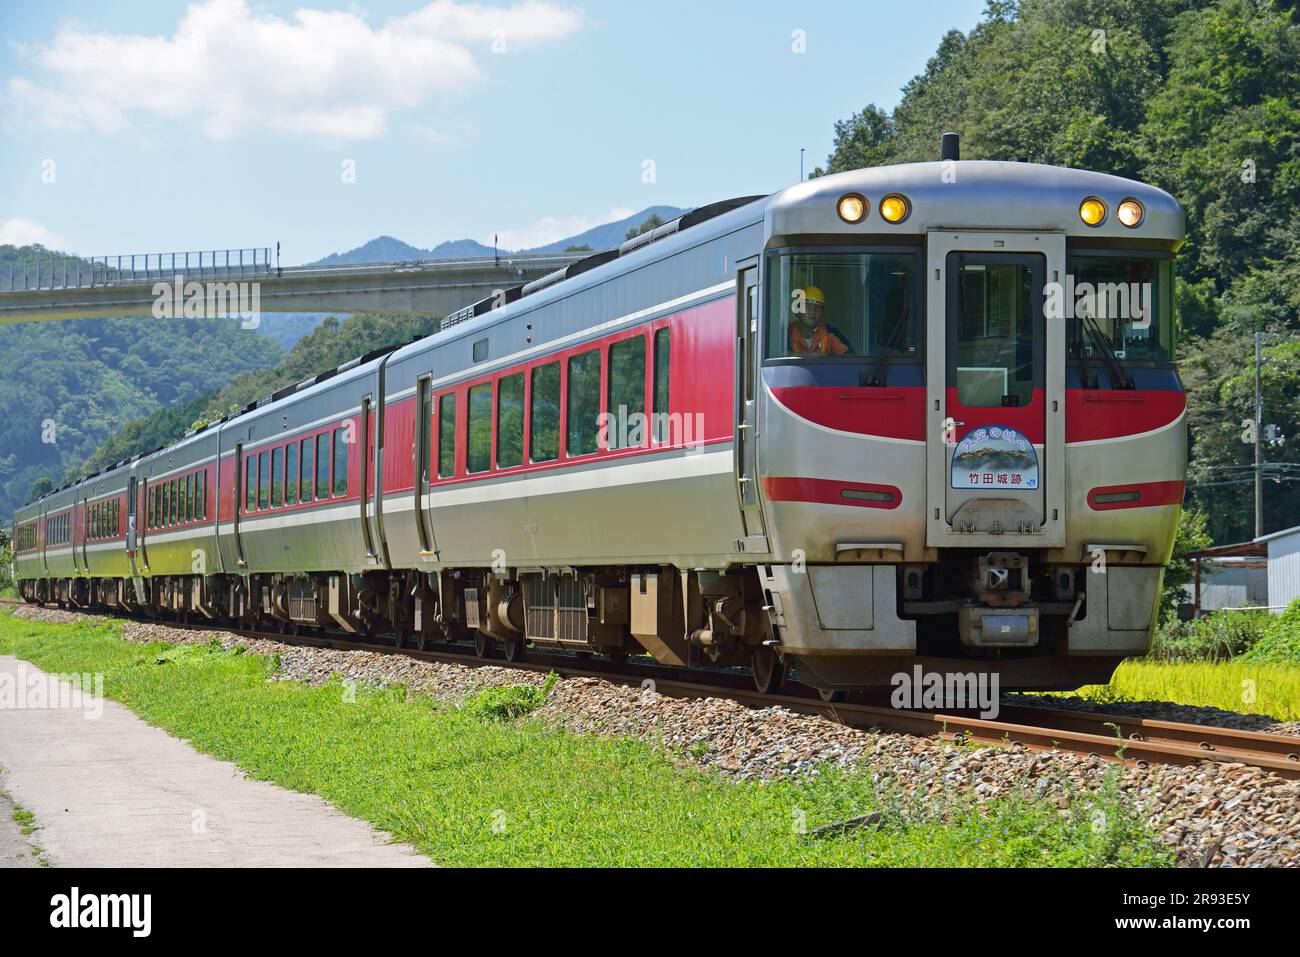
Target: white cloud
column 326, row 73
column 550, row 229
column 20, row 232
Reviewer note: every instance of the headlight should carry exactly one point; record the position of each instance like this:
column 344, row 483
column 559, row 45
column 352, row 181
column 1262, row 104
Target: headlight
column 1092, row 211
column 853, row 208
column 894, row 208
column 1131, row 213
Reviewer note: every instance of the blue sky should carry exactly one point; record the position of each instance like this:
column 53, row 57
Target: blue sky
column 227, row 123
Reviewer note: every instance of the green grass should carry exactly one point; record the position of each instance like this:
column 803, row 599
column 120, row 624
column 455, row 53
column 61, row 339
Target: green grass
column 25, row 820
column 1237, row 685
column 480, row 785
column 27, row 825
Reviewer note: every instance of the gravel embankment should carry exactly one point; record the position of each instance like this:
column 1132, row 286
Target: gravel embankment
column 1215, row 814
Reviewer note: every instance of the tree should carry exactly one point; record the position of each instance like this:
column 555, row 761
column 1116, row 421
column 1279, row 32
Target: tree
column 1192, row 537
column 584, row 248
column 42, row 486
column 863, row 140
column 6, row 559
column 653, row 221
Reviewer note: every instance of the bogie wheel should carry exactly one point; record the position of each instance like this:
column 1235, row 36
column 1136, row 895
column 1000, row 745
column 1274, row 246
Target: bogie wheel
column 514, row 649
column 831, row 697
column 769, row 669
column 420, row 639
column 401, row 637
column 482, row 644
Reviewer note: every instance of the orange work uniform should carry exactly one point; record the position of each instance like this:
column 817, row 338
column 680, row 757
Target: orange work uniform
column 825, row 341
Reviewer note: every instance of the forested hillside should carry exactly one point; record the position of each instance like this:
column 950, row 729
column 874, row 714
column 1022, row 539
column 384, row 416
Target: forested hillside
column 330, row 345
column 1200, row 98
column 67, row 386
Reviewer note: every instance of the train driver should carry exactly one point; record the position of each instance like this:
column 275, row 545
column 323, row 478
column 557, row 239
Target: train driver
column 809, row 336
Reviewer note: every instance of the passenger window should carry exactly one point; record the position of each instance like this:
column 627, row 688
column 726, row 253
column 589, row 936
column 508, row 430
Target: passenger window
column 277, row 478
column 510, row 421
column 544, row 423
column 322, row 466
column 263, row 480
column 340, row 463
column 250, row 483
column 625, row 423
column 187, row 490
column 447, row 435
column 661, row 431
column 308, row 474
column 478, row 455
column 200, row 495
column 584, row 403
column 291, row 474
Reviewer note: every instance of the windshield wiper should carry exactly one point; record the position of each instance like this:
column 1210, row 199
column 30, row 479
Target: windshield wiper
column 1120, row 379
column 891, row 341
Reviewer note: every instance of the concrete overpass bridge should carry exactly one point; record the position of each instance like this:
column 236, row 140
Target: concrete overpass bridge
column 69, row 287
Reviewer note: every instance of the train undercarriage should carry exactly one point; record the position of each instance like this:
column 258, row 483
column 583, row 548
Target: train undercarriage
column 991, row 613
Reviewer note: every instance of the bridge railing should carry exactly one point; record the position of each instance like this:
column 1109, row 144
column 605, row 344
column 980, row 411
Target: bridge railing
column 56, row 271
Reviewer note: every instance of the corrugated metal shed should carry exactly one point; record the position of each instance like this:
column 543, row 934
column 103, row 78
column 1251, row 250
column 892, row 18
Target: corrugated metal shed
column 1283, row 566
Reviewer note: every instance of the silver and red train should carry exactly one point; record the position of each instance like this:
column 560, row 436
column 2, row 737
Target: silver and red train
column 917, row 414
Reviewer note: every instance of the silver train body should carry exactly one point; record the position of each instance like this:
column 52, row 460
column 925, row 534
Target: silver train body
column 655, row 451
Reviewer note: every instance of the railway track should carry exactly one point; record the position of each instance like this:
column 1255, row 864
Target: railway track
column 1116, row 738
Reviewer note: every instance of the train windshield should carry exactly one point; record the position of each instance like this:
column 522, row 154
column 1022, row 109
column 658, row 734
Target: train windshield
column 843, row 305
column 1123, row 304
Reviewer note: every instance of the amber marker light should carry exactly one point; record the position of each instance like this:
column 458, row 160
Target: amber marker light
column 853, row 208
column 894, row 208
column 1131, row 213
column 1092, row 211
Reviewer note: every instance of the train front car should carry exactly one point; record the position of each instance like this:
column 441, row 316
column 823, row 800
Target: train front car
column 970, row 434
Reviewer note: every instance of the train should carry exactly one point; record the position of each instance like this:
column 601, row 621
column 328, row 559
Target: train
column 918, row 414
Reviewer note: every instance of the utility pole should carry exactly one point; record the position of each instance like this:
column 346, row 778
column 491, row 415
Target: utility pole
column 801, row 151
column 1259, row 440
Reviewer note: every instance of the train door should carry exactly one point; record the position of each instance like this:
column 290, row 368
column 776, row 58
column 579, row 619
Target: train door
column 423, row 451
column 995, row 391
column 45, row 540
column 746, row 444
column 130, row 521
column 79, row 528
column 240, row 494
column 368, row 475
column 137, row 531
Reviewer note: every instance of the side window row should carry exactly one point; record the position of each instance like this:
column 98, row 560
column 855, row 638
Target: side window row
column 104, row 519
column 625, row 397
column 58, row 529
column 298, row 472
column 25, row 537
column 178, row 501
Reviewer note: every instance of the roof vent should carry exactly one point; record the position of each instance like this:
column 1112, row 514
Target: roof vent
column 686, row 221
column 950, row 147
column 571, row 270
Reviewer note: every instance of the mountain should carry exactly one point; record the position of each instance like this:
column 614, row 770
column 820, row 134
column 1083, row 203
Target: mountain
column 610, row 235
column 459, row 249
column 67, row 386
column 387, row 249
column 383, row 249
